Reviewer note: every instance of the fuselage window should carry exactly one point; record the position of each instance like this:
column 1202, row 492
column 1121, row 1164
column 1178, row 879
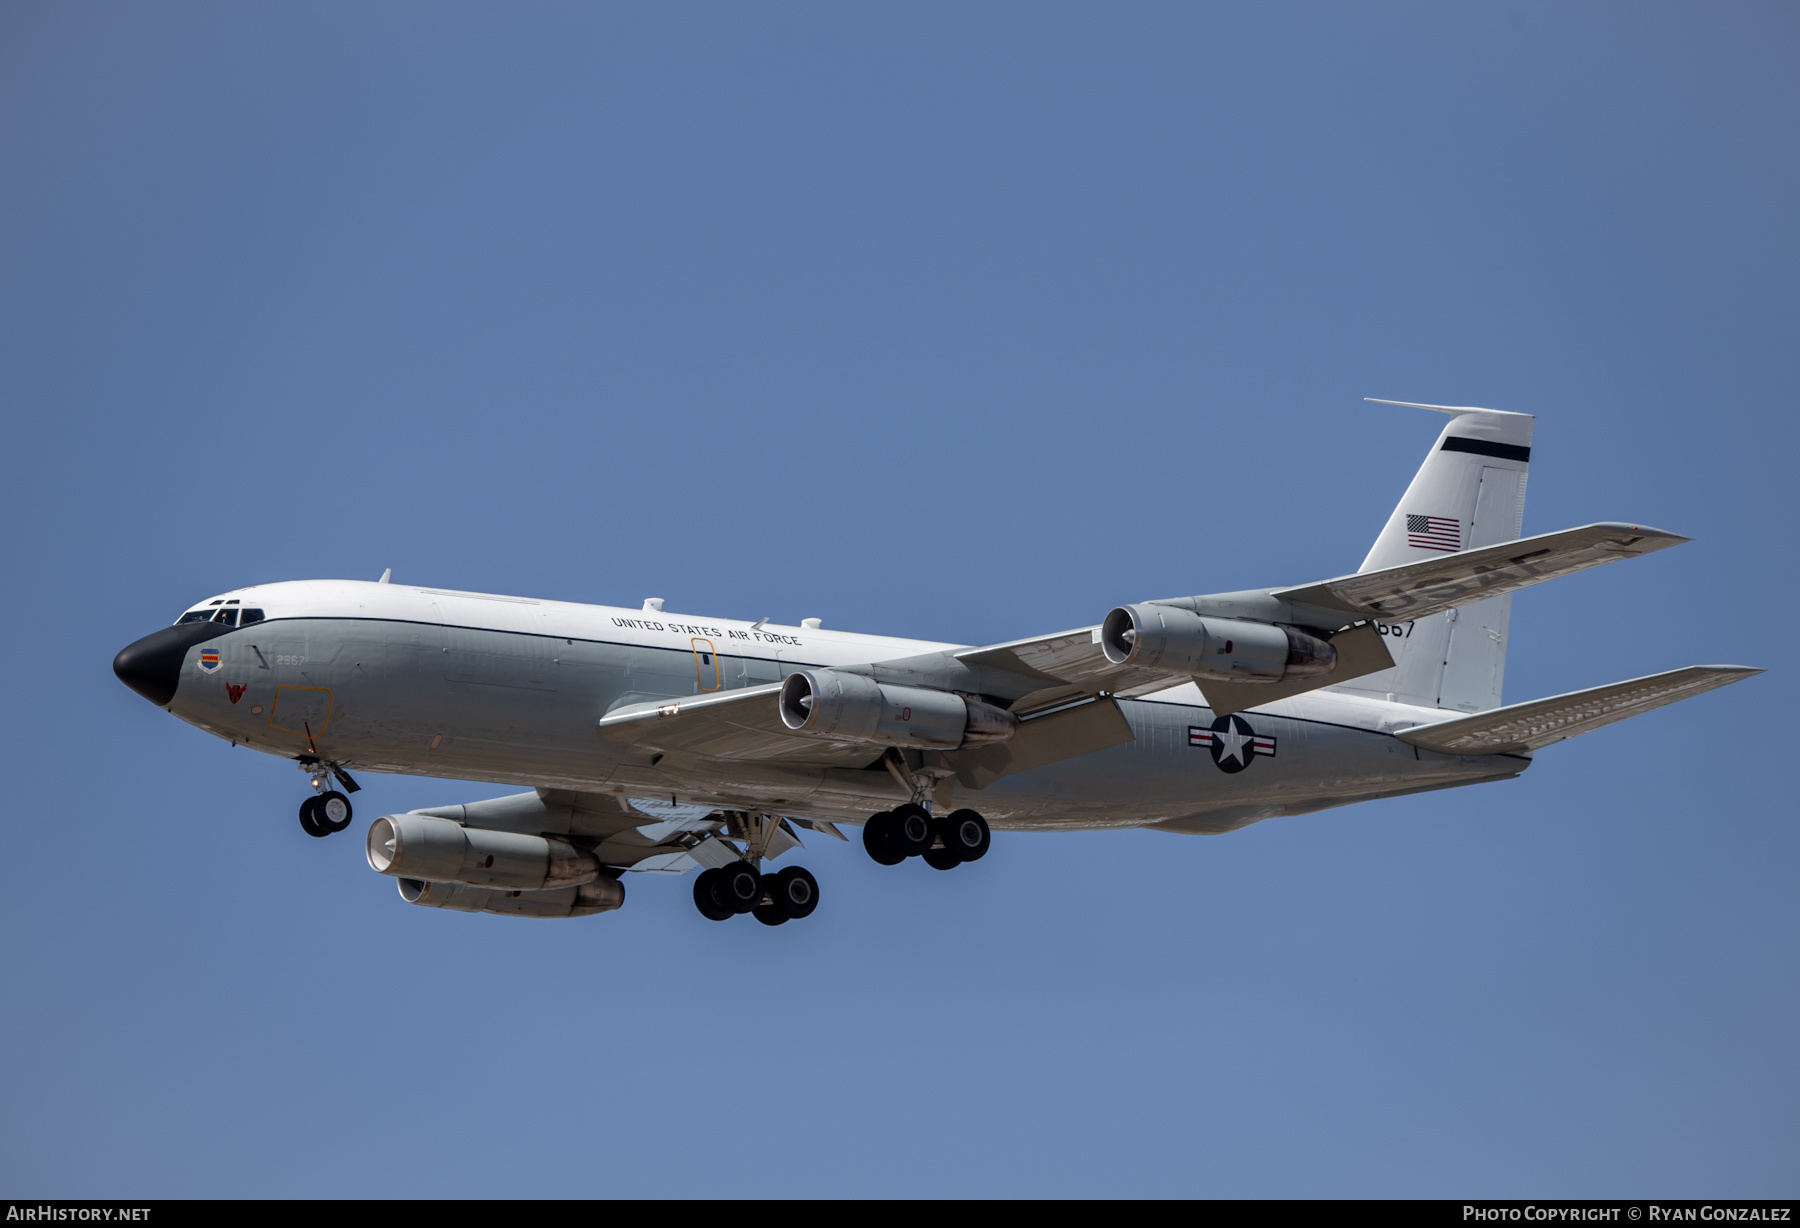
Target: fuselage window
column 194, row 616
column 251, row 616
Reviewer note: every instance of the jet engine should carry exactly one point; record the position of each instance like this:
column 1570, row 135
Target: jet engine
column 601, row 895
column 829, row 703
column 1232, row 649
column 441, row 851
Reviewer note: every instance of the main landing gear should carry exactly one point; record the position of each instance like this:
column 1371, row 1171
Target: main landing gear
column 912, row 831
column 327, row 810
column 723, row 892
column 773, row 899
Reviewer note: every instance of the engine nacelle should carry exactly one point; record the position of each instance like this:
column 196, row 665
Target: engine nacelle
column 1166, row 637
column 442, row 851
column 829, row 703
column 601, row 895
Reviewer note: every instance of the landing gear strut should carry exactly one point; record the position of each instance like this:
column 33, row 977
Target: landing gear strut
column 328, row 810
column 727, row 891
column 910, row 831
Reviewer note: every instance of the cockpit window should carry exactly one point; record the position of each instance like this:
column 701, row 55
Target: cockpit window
column 229, row 615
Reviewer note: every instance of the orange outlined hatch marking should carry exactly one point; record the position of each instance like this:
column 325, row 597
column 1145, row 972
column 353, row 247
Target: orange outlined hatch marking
column 300, row 709
column 706, row 666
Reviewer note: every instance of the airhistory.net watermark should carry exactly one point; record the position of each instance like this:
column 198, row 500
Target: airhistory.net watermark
column 49, row 1213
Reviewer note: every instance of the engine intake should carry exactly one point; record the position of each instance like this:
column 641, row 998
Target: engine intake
column 601, row 895
column 829, row 703
column 1232, row 649
column 441, row 851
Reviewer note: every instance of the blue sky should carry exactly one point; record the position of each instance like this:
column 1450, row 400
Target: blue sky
column 965, row 322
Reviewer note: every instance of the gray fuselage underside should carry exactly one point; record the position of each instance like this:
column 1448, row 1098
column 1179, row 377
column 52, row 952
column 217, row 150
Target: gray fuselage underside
column 431, row 699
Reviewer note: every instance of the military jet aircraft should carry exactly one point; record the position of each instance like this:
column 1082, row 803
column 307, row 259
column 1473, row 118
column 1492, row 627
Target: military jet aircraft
column 654, row 741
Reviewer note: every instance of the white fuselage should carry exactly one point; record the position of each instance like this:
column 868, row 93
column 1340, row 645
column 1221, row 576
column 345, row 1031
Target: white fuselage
column 396, row 678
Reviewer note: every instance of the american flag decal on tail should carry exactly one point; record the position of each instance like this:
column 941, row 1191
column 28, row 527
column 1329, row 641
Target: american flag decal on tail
column 1434, row 533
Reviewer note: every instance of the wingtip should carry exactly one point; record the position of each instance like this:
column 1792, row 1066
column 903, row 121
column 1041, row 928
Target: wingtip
column 1663, row 536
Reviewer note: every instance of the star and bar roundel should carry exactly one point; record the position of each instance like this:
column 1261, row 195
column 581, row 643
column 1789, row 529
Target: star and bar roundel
column 1232, row 742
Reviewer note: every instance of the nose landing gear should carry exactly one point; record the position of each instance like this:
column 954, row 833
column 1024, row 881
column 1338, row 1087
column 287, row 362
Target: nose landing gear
column 328, row 810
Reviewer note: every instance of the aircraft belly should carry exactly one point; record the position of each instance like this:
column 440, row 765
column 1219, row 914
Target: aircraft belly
column 1171, row 773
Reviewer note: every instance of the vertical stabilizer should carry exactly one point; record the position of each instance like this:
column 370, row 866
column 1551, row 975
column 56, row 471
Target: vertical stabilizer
column 1470, row 492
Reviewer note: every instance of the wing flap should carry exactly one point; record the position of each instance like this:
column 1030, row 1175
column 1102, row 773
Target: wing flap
column 1540, row 722
column 1434, row 585
column 1080, row 729
column 1361, row 650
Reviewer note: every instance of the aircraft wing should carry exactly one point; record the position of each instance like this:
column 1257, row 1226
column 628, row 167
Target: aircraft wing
column 741, row 724
column 1431, row 586
column 1538, row 723
column 1072, row 666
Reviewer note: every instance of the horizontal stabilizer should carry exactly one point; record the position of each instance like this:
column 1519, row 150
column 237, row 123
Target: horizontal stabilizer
column 1415, row 590
column 1528, row 726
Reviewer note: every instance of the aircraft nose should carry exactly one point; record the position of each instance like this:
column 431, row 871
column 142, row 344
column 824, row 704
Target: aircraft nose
column 152, row 666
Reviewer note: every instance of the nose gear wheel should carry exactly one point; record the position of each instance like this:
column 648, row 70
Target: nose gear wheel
column 328, row 810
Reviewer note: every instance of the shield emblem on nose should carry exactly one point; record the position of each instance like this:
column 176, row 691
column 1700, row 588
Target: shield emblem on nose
column 209, row 660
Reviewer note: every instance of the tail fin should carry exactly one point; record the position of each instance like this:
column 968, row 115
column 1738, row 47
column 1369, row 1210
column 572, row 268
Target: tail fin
column 1470, row 492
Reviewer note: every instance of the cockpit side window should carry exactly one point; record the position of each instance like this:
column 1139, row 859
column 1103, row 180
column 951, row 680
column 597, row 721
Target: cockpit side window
column 194, row 616
column 228, row 616
column 252, row 616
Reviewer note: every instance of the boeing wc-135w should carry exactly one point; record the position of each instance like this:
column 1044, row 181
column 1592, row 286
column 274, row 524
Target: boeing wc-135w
column 653, row 741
